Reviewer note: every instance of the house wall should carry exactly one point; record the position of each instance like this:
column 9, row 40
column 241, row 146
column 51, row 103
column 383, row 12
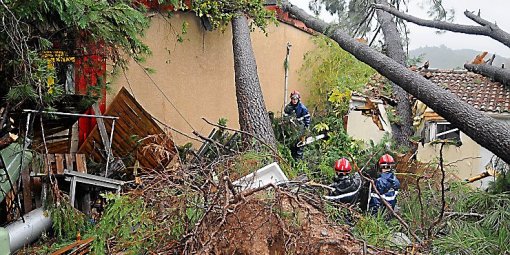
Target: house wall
column 197, row 75
column 465, row 161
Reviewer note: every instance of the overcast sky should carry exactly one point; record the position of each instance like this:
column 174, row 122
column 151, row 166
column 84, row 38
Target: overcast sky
column 492, row 10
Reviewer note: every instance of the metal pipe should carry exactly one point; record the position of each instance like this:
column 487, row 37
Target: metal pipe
column 286, row 66
column 23, row 233
column 73, row 114
column 110, row 149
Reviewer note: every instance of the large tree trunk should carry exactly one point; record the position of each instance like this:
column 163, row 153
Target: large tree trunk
column 403, row 130
column 486, row 28
column 495, row 73
column 488, row 132
column 253, row 116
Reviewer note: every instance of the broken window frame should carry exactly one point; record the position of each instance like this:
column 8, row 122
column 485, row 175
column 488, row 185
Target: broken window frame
column 433, row 133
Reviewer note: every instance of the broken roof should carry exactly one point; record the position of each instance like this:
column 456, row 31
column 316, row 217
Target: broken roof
column 475, row 89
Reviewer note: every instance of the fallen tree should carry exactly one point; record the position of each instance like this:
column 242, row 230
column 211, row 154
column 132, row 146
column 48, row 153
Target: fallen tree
column 395, row 50
column 483, row 129
column 252, row 110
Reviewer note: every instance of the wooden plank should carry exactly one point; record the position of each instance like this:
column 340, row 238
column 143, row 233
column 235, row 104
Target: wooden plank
column 27, row 190
column 59, row 162
column 81, row 165
column 134, row 120
column 69, row 162
column 72, row 246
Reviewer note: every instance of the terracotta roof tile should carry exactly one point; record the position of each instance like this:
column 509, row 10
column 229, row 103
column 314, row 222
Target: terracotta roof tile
column 475, row 89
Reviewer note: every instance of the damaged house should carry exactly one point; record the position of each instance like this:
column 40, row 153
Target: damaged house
column 466, row 157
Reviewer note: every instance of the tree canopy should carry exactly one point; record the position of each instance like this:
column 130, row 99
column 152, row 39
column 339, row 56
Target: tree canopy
column 110, row 29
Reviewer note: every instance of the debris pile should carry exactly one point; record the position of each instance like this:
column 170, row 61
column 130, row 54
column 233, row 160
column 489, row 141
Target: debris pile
column 197, row 209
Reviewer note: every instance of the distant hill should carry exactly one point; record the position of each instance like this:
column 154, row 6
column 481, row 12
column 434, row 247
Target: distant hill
column 445, row 58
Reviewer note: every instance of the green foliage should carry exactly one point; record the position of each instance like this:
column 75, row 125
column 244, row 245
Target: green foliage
column 66, row 221
column 221, row 13
column 184, row 219
column 414, row 61
column 109, row 29
column 329, row 68
column 488, row 235
column 375, row 231
column 500, row 184
column 393, row 117
column 502, row 181
column 126, row 221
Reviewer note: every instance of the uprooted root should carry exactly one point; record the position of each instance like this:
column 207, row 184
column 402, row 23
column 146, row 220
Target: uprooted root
column 197, row 212
column 272, row 222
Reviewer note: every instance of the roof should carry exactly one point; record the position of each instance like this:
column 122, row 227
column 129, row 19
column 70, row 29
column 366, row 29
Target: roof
column 475, row 89
column 286, row 18
column 272, row 5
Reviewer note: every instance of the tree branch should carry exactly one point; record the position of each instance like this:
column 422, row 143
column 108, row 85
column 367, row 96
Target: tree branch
column 275, row 153
column 479, row 19
column 496, row 73
column 443, row 201
column 486, row 28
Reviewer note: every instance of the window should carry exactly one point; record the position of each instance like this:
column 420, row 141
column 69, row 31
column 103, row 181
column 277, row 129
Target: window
column 444, row 131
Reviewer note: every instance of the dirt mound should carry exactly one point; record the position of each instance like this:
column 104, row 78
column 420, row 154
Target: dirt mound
column 275, row 223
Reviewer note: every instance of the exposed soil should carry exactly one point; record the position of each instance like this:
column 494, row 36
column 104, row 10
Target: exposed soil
column 265, row 224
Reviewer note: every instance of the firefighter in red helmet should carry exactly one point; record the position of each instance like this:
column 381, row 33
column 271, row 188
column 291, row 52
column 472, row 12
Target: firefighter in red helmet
column 346, row 186
column 298, row 110
column 387, row 184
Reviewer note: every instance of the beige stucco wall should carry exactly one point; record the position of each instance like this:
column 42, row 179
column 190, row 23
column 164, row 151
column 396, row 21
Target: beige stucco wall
column 465, row 161
column 462, row 161
column 197, row 75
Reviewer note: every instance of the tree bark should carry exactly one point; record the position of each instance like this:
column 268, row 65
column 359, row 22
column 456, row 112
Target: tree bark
column 253, row 116
column 488, row 132
column 402, row 131
column 486, row 28
column 495, row 73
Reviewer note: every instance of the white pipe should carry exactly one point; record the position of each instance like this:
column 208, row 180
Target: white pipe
column 23, row 233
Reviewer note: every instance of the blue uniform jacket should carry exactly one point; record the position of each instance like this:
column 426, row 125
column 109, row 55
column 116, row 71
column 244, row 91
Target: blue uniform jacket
column 388, row 185
column 301, row 112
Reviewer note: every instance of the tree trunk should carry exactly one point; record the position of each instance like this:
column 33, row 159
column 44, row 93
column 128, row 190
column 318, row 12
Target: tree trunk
column 488, row 132
column 253, row 116
column 495, row 73
column 486, row 28
column 403, row 130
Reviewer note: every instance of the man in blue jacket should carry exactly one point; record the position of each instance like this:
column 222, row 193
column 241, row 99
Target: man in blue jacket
column 299, row 110
column 387, row 185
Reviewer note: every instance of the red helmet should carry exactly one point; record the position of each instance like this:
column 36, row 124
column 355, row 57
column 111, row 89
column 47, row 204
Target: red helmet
column 342, row 166
column 295, row 93
column 386, row 159
column 386, row 162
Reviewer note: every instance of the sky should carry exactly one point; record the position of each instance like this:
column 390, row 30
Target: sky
column 491, row 10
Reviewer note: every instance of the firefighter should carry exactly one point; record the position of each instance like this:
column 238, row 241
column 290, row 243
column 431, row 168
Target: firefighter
column 298, row 109
column 387, row 184
column 300, row 112
column 346, row 186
